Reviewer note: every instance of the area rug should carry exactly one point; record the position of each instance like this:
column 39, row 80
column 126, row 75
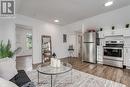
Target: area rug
column 79, row 79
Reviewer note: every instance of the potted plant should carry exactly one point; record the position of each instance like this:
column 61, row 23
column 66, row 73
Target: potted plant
column 5, row 50
column 7, row 62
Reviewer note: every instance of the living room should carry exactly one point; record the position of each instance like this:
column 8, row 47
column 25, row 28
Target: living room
column 65, row 23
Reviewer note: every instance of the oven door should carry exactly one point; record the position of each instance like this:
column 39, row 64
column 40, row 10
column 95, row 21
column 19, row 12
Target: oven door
column 113, row 53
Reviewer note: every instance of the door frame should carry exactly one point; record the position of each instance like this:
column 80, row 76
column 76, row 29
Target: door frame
column 26, row 27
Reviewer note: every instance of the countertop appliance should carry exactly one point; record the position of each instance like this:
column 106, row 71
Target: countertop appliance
column 113, row 53
column 90, row 46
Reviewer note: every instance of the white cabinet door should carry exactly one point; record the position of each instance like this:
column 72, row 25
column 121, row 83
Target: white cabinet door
column 127, row 56
column 126, row 41
column 126, row 32
column 117, row 32
column 113, row 32
column 107, row 33
column 102, row 42
column 99, row 53
column 101, row 34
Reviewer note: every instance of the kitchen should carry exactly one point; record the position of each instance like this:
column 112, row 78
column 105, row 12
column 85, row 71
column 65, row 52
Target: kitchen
column 76, row 43
column 111, row 46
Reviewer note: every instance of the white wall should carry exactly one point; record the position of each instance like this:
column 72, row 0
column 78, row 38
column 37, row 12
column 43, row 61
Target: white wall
column 118, row 18
column 44, row 28
column 7, row 31
column 71, row 40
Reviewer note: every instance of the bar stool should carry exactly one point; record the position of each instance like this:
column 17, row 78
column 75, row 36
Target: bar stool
column 71, row 53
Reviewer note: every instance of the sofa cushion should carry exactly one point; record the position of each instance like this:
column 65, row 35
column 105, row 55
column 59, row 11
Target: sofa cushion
column 6, row 83
column 21, row 78
column 7, row 68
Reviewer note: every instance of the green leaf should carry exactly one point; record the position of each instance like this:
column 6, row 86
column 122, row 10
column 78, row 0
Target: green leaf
column 5, row 50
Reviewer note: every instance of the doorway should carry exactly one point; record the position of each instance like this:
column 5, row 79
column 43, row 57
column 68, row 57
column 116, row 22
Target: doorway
column 24, row 41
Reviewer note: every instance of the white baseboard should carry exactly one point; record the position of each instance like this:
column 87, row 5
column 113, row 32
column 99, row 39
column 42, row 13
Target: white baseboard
column 127, row 67
column 100, row 62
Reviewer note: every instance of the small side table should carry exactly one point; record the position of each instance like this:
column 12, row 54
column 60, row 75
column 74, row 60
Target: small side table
column 46, row 69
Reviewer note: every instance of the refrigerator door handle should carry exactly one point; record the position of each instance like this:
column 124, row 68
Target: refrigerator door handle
column 88, row 42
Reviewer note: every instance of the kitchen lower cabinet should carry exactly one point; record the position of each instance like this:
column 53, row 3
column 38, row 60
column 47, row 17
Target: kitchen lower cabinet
column 127, row 56
column 126, row 32
column 127, row 42
column 100, row 54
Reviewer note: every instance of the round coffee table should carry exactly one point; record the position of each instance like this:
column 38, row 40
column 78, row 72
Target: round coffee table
column 47, row 69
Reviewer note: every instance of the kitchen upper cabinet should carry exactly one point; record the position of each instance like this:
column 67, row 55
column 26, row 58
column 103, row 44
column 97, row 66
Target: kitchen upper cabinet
column 117, row 32
column 108, row 32
column 113, row 32
column 100, row 54
column 127, row 56
column 101, row 34
column 126, row 32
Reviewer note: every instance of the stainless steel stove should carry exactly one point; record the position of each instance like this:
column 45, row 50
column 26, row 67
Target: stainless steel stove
column 113, row 53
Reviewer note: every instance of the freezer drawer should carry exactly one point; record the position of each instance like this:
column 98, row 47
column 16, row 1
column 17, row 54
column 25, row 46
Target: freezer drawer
column 90, row 52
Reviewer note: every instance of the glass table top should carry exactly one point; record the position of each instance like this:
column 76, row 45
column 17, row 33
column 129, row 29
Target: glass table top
column 47, row 69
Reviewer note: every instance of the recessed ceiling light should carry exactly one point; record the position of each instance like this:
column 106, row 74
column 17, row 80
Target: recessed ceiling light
column 108, row 3
column 56, row 21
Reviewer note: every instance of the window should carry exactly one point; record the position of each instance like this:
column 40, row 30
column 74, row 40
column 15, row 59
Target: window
column 29, row 40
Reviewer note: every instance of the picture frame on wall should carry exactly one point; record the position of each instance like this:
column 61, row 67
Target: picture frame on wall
column 64, row 38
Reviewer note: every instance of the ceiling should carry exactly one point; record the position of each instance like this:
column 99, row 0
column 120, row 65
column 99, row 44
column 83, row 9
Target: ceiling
column 67, row 11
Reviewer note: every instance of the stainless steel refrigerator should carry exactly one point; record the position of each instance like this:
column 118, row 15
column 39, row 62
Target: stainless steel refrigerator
column 90, row 47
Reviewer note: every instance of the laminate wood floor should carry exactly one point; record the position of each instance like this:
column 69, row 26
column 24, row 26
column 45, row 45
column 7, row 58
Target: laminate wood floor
column 107, row 72
column 104, row 71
